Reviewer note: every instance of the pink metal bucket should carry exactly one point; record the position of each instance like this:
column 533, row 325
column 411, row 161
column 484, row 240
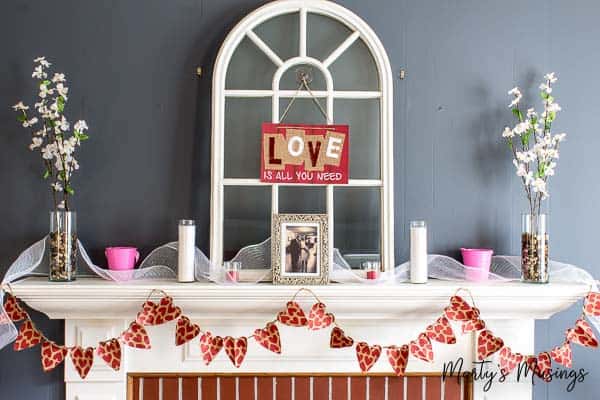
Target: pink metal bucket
column 477, row 262
column 121, row 258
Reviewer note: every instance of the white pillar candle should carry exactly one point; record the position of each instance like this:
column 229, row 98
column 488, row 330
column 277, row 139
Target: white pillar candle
column 418, row 252
column 186, row 248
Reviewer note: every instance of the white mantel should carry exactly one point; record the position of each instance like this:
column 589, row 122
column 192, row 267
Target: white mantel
column 95, row 309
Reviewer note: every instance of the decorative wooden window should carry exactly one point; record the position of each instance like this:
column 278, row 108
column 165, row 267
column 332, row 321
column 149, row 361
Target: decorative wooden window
column 254, row 80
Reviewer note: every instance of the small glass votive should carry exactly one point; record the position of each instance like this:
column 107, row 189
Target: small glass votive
column 232, row 271
column 371, row 268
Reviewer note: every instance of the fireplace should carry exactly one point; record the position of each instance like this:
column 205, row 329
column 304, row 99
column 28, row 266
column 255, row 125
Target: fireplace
column 297, row 387
column 95, row 309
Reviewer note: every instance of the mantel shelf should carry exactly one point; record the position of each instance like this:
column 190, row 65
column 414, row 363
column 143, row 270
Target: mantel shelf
column 94, row 298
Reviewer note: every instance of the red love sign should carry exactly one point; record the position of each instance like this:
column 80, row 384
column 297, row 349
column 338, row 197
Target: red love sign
column 299, row 153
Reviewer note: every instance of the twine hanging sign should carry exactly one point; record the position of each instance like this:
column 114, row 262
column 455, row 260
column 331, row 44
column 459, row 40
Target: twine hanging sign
column 301, row 153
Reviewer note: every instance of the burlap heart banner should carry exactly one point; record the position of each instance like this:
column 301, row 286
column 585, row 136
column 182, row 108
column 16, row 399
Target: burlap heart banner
column 157, row 314
column 421, row 348
column 473, row 325
column 210, row 346
column 460, row 310
column 14, row 310
column 136, row 336
column 28, row 336
column 488, row 344
column 292, row 315
column 582, row 334
column 268, row 337
column 82, row 359
column 509, row 360
column 236, row 349
column 563, row 355
column 367, row 355
column 398, row 358
column 52, row 355
column 110, row 352
column 185, row 331
column 591, row 304
column 318, row 318
column 441, row 331
column 339, row 340
column 540, row 365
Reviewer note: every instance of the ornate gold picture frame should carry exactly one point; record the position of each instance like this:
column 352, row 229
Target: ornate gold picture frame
column 300, row 249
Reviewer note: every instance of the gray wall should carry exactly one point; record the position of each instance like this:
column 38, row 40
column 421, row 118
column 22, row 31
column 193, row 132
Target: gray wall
column 131, row 66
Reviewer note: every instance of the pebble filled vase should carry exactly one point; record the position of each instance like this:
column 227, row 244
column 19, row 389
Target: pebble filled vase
column 63, row 246
column 534, row 248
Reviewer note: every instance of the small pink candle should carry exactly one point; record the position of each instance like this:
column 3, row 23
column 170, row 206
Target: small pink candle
column 232, row 271
column 232, row 276
column 372, row 274
column 371, row 269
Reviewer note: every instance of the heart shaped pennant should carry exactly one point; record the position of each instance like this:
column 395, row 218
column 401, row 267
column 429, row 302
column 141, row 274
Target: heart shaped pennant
column 473, row 325
column 136, row 336
column 82, row 359
column 582, row 334
column 460, row 310
column 509, row 360
column 185, row 331
column 157, row 314
column 110, row 352
column 269, row 338
column 28, row 336
column 421, row 348
column 563, row 355
column 541, row 365
column 339, row 340
column 488, row 344
column 236, row 349
column 292, row 315
column 441, row 331
column 210, row 346
column 398, row 358
column 367, row 355
column 318, row 318
column 52, row 355
column 14, row 310
column 591, row 306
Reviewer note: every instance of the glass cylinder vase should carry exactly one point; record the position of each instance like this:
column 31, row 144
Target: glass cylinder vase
column 534, row 248
column 63, row 246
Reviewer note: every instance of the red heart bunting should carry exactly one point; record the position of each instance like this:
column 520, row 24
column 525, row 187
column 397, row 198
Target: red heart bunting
column 367, row 355
column 14, row 310
column 540, row 365
column 185, row 331
column 136, row 336
column 509, row 360
column 582, row 334
column 398, row 358
column 28, row 336
column 210, row 346
column 157, row 314
column 339, row 340
column 460, row 310
column 82, row 359
column 292, row 315
column 236, row 349
column 110, row 352
column 52, row 355
column 474, row 325
column 441, row 331
column 591, row 305
column 421, row 348
column 269, row 338
column 488, row 344
column 563, row 355
column 318, row 318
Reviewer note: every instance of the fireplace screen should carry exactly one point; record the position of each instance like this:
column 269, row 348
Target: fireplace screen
column 297, row 387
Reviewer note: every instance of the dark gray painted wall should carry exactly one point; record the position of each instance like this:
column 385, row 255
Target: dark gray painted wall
column 131, row 66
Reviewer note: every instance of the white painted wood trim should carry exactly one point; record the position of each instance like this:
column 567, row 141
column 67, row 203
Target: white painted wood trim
column 341, row 49
column 355, row 24
column 302, row 33
column 337, row 94
column 265, row 48
column 257, row 182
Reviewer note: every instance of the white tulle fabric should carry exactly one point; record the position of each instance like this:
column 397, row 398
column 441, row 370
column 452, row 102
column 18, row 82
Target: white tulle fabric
column 161, row 264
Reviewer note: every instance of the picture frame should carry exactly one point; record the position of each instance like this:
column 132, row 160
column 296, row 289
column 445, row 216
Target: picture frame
column 300, row 249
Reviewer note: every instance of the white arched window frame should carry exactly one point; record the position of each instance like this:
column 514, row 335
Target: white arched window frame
column 360, row 30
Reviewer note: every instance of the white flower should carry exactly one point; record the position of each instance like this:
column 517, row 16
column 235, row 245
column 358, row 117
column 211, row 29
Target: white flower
column 539, row 185
column 20, row 107
column 41, row 132
column 74, row 164
column 67, row 147
column 526, row 156
column 515, row 91
column 62, row 90
column 57, row 186
column 61, row 205
column 58, row 78
column 39, row 73
column 559, row 137
column 31, row 122
column 550, row 168
column 35, row 143
column 44, row 91
column 508, row 133
column 545, row 88
column 64, row 124
column 49, row 151
column 550, row 77
column 531, row 113
column 80, row 126
column 42, row 61
column 553, row 107
column 58, row 164
column 521, row 127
